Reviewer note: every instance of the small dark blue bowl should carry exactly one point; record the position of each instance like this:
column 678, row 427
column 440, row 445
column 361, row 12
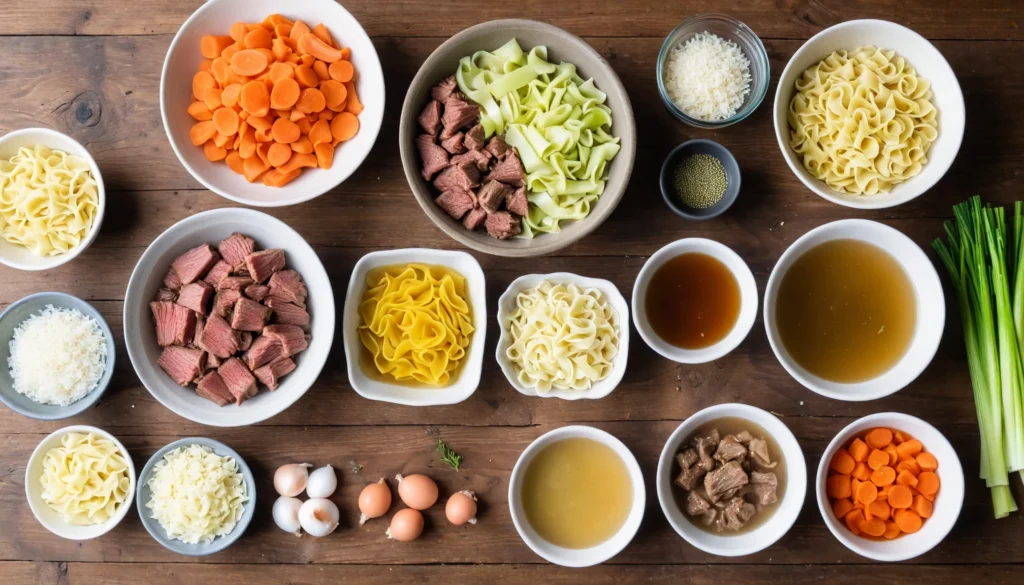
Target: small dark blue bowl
column 700, row 146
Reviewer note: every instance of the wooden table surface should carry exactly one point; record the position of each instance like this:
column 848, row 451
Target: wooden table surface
column 91, row 69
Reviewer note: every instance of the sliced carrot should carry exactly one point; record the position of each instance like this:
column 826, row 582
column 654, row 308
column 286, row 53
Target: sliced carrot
column 276, row 178
column 285, row 131
column 346, row 53
column 222, row 140
column 873, row 527
column 278, row 154
column 249, row 62
column 877, row 458
column 255, row 98
column 324, row 155
column 883, row 476
column 320, row 68
column 841, row 507
column 306, row 77
column 275, row 19
column 201, row 132
column 238, row 31
column 213, row 152
column 900, row 496
column 891, row 530
column 280, row 49
column 866, row 493
column 842, row 462
column 880, row 509
column 342, row 71
column 226, row 121
column 311, row 45
column 298, row 161
column 906, row 478
column 922, row 506
column 326, row 114
column 883, row 492
column 253, row 167
column 283, row 30
column 928, row 483
column 321, row 33
column 220, row 69
column 859, row 450
column 909, row 521
column 879, row 438
column 335, row 94
column 299, row 28
column 263, row 151
column 264, row 136
column 926, row 461
column 909, row 449
column 286, row 93
column 260, row 123
column 212, row 99
column 199, row 111
column 354, row 105
column 235, row 162
column 258, row 39
column 303, row 145
column 345, row 125
column 211, row 46
column 311, row 100
column 890, row 450
column 279, row 71
column 297, row 116
column 247, row 146
column 205, row 64
column 229, row 97
column 910, row 466
column 230, row 51
column 854, row 519
column 862, row 472
column 202, row 83
column 899, row 436
column 307, row 60
column 320, row 132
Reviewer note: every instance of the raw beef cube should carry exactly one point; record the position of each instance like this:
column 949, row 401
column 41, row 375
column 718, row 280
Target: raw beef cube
column 245, row 340
column 220, row 270
column 517, row 203
column 497, row 146
column 491, row 195
column 182, row 364
column 234, row 283
column 270, row 374
column 196, row 296
column 263, row 264
column 288, row 313
column 175, row 325
column 172, row 280
column 219, row 338
column 458, row 113
column 287, row 285
column 480, row 158
column 456, row 202
column 238, row 379
column 193, row 264
column 212, row 388
column 454, row 144
column 463, row 176
column 258, row 292
column 475, row 138
column 430, row 118
column 224, row 301
column 263, row 351
column 503, row 225
column 434, row 157
column 442, row 91
column 235, row 248
column 200, row 325
column 249, row 315
column 474, row 219
column 509, row 170
column 166, row 294
column 291, row 337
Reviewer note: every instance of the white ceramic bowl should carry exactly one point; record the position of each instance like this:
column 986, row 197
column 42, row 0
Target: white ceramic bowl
column 507, row 304
column 931, row 308
column 469, row 378
column 929, row 63
column 748, row 300
column 212, row 227
column 568, row 557
column 215, row 17
column 21, row 258
column 787, row 510
column 51, row 520
column 947, row 503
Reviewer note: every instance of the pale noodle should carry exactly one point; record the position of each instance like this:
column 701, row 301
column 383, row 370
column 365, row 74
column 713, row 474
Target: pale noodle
column 416, row 322
column 563, row 337
column 862, row 121
column 86, row 479
column 48, row 200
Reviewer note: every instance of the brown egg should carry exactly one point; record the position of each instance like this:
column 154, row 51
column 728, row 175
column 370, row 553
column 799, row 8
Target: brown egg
column 374, row 501
column 406, row 525
column 417, row 491
column 461, row 508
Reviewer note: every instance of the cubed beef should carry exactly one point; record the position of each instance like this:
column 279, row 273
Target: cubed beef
column 263, row 351
column 291, row 337
column 729, row 449
column 235, row 248
column 454, row 144
column 434, row 157
column 463, row 176
column 491, row 195
column 249, row 315
column 474, row 219
column 503, row 225
column 497, row 146
column 245, row 340
column 430, row 118
column 736, row 514
column 198, row 334
column 459, row 112
column 288, row 314
column 509, row 170
column 238, row 379
column 442, row 91
column 517, row 202
column 475, row 138
column 263, row 264
column 212, row 388
column 212, row 362
column 481, row 159
column 224, row 301
column 234, row 283
column 456, row 202
column 725, row 482
column 258, row 292
column 220, row 270
column 193, row 264
column 196, row 296
column 287, row 285
column 166, row 294
column 270, row 374
column 172, row 280
column 766, row 487
column 182, row 364
column 175, row 324
column 219, row 338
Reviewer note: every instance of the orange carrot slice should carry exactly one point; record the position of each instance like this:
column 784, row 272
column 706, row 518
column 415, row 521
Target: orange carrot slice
column 249, row 62
column 226, row 121
column 877, row 458
column 859, row 450
column 235, row 162
column 354, row 105
column 928, row 483
column 276, row 178
column 299, row 28
column 341, row 71
column 278, row 154
column 213, row 152
column 311, row 100
column 212, row 99
column 842, row 507
column 925, row 461
column 335, row 94
column 286, row 93
column 311, row 45
column 211, row 46
column 253, row 167
column 909, row 521
column 229, row 97
column 258, row 39
column 202, row 83
column 344, row 126
column 285, row 132
column 324, row 154
column 879, row 438
column 900, row 496
column 255, row 98
column 201, row 132
column 303, row 145
column 306, row 77
column 321, row 33
column 199, row 111
column 883, row 476
column 238, row 31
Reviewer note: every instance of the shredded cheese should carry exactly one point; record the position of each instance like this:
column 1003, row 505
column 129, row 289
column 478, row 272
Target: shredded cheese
column 196, row 495
column 707, row 77
column 57, row 356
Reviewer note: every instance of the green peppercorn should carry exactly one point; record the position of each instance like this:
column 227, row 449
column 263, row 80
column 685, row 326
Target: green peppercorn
column 700, row 181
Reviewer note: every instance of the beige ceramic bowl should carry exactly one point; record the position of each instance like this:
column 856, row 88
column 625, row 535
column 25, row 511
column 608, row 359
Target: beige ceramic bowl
column 562, row 46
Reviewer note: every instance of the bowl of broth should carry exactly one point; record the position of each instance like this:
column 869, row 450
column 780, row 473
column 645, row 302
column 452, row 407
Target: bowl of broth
column 576, row 496
column 694, row 301
column 854, row 310
column 731, row 479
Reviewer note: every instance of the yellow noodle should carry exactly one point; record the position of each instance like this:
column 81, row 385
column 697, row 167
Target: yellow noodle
column 85, row 480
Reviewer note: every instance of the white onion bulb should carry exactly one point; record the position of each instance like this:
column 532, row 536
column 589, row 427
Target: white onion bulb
column 322, row 483
column 319, row 517
column 286, row 514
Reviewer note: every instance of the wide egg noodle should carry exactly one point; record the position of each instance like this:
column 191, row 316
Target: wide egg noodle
column 862, row 121
column 86, row 479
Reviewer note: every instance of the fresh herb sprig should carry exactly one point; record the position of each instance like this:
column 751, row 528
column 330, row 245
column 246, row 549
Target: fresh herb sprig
column 448, row 455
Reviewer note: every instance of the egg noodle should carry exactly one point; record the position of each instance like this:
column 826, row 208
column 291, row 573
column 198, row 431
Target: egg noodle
column 86, row 479
column 48, row 200
column 563, row 337
column 416, row 322
column 862, row 121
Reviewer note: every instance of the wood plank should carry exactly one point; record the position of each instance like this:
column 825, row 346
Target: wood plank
column 946, row 19
column 22, row 573
column 489, row 457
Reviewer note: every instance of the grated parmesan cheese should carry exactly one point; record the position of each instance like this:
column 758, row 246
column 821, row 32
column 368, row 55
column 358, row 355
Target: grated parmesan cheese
column 57, row 356
column 707, row 77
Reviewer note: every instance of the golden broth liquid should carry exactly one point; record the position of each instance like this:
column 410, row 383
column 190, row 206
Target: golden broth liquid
column 693, row 301
column 577, row 493
column 846, row 311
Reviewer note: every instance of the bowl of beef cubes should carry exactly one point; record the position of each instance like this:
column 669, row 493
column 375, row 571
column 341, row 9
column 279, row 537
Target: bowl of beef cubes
column 229, row 317
column 732, row 480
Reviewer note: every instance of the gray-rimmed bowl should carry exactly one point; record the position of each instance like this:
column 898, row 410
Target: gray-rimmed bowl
column 700, row 146
column 562, row 46
column 11, row 318
column 157, row 531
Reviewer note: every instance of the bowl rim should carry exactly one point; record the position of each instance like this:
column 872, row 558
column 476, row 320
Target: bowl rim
column 868, row 389
column 819, row 187
column 469, row 378
column 732, row 191
column 599, row 389
column 219, row 543
column 311, row 194
column 544, row 243
column 87, row 401
column 744, row 320
column 161, row 242
column 796, row 480
column 952, row 471
column 101, row 201
column 119, row 514
column 761, row 88
column 617, row 542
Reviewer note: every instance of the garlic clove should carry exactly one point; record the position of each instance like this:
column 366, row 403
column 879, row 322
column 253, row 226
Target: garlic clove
column 290, row 480
column 322, row 483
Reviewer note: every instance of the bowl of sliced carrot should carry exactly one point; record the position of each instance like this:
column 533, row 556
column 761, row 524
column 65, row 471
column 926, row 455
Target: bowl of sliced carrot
column 270, row 102
column 890, row 487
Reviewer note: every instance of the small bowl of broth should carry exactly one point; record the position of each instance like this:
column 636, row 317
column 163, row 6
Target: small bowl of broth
column 694, row 301
column 732, row 480
column 577, row 496
column 854, row 310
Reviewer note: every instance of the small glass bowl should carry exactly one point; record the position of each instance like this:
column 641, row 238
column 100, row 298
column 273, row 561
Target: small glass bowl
column 729, row 29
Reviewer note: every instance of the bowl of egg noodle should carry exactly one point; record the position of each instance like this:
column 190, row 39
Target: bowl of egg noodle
column 869, row 114
column 38, row 165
